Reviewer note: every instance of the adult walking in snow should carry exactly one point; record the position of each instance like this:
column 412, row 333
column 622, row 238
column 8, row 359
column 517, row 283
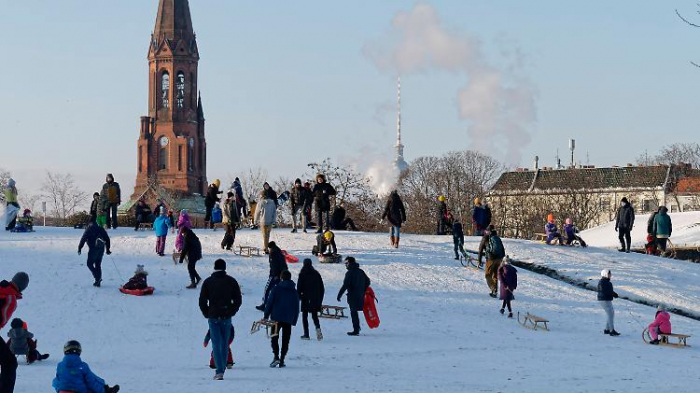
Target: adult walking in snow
column 270, row 193
column 311, row 291
column 282, row 306
column 661, row 324
column 480, row 218
column 395, row 212
column 508, row 279
column 111, row 197
column 322, row 193
column 265, row 217
column 210, row 200
column 495, row 252
column 97, row 241
column 12, row 206
column 442, row 213
column 95, row 209
column 663, row 227
column 624, row 222
column 192, row 249
column 161, row 225
column 299, row 198
column 355, row 283
column 219, row 300
column 183, row 222
column 606, row 294
column 278, row 264
column 10, row 292
column 230, row 221
column 240, row 200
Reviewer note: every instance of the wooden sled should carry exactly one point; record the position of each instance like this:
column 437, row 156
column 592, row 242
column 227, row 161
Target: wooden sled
column 332, row 312
column 470, row 261
column 248, row 251
column 664, row 339
column 176, row 257
column 337, row 258
column 146, row 226
column 531, row 321
column 271, row 327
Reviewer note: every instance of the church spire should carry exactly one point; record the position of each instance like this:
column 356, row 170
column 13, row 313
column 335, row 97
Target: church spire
column 173, row 20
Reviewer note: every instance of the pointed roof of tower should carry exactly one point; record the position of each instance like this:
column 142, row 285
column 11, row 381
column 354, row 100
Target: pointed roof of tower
column 173, row 19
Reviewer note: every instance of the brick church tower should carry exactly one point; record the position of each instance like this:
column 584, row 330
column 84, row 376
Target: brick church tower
column 171, row 145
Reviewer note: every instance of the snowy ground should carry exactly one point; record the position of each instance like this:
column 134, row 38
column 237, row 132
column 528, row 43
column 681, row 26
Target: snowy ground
column 440, row 331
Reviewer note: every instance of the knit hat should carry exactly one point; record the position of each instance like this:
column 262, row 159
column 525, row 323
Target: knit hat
column 624, row 200
column 297, row 181
column 550, row 217
column 661, row 307
column 16, row 323
column 11, row 183
column 219, row 264
column 140, row 270
column 96, row 194
column 110, row 177
column 307, row 262
column 605, row 272
column 21, row 280
column 230, row 194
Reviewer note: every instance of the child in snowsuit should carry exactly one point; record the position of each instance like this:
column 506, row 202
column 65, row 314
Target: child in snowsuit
column 182, row 222
column 74, row 375
column 95, row 207
column 325, row 242
column 25, row 223
column 139, row 280
column 606, row 294
column 650, row 245
column 572, row 233
column 552, row 231
column 458, row 239
column 229, row 361
column 21, row 342
column 661, row 324
column 160, row 227
column 508, row 279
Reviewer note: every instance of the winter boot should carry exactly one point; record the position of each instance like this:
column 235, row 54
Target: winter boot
column 46, row 356
column 319, row 334
column 354, row 333
column 275, row 363
column 510, row 314
column 396, row 245
column 393, row 241
column 294, row 230
column 606, row 331
column 282, row 363
column 502, row 311
column 614, row 333
column 97, row 283
column 305, row 337
column 218, row 377
column 654, row 342
column 113, row 389
column 260, row 307
column 192, row 285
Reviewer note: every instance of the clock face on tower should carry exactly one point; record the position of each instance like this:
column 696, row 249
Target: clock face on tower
column 164, row 141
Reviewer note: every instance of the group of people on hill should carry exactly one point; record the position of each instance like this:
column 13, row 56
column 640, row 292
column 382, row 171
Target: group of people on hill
column 480, row 217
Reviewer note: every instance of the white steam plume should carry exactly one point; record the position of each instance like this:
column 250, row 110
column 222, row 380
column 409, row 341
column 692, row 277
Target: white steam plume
column 498, row 103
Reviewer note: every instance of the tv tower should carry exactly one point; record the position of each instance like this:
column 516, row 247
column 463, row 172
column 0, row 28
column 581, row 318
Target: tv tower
column 399, row 161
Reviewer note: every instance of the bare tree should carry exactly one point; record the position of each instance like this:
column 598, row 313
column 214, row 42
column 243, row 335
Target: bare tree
column 252, row 182
column 28, row 200
column 63, row 194
column 691, row 24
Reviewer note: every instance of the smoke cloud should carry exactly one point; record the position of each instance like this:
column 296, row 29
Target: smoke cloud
column 498, row 102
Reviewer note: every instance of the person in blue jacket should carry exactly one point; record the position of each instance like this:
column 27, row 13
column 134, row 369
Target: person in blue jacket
column 282, row 306
column 74, row 375
column 161, row 225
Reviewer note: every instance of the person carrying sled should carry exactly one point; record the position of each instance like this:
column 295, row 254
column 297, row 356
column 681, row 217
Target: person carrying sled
column 74, row 375
column 508, row 279
column 98, row 243
column 265, row 217
column 25, row 223
column 299, row 198
column 663, row 227
column 551, row 230
column 661, row 324
column 325, row 242
column 278, row 264
column 458, row 239
column 22, row 342
column 572, row 233
column 322, row 192
column 192, row 249
column 10, row 292
column 219, row 300
column 142, row 214
column 230, row 221
column 210, row 200
column 606, row 294
column 311, row 292
column 624, row 222
column 161, row 225
column 480, row 217
column 441, row 215
column 355, row 283
column 183, row 221
column 495, row 252
column 282, row 306
column 339, row 219
column 139, row 280
column 395, row 212
column 111, row 198
column 12, row 207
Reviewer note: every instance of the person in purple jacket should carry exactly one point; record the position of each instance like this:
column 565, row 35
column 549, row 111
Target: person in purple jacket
column 552, row 231
column 571, row 233
column 508, row 280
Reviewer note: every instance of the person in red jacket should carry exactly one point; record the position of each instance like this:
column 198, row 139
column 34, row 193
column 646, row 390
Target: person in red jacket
column 10, row 292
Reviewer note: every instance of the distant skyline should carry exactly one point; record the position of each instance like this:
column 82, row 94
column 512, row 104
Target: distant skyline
column 286, row 84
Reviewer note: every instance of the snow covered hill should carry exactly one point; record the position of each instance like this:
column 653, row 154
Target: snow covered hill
column 440, row 330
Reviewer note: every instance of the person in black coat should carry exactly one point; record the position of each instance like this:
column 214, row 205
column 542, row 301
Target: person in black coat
column 219, row 300
column 94, row 206
column 282, row 307
column 395, row 212
column 355, row 283
column 192, row 249
column 624, row 222
column 340, row 220
column 270, row 193
column 311, row 291
column 458, row 239
column 278, row 264
column 142, row 214
column 322, row 192
column 97, row 241
column 606, row 294
column 300, row 198
column 210, row 200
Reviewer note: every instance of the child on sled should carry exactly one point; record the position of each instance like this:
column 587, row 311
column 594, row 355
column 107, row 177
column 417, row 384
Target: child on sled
column 22, row 342
column 74, row 376
column 552, row 231
column 139, row 280
column 229, row 360
column 661, row 324
column 25, row 223
column 572, row 233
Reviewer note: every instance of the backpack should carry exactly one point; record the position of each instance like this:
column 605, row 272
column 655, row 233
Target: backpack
column 112, row 196
column 495, row 248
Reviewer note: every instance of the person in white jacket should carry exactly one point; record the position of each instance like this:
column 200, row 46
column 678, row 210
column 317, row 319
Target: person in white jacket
column 265, row 216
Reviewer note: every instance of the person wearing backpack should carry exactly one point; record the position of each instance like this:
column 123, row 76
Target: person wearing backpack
column 495, row 252
column 111, row 197
column 508, row 277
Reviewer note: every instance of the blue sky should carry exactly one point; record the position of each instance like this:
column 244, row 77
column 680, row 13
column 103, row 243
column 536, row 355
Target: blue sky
column 286, row 83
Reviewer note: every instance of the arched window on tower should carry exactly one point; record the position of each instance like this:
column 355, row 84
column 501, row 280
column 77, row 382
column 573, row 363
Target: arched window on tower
column 165, row 89
column 180, row 86
column 190, row 155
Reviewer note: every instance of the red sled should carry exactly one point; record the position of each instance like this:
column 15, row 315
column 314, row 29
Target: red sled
column 137, row 292
column 370, row 309
column 289, row 257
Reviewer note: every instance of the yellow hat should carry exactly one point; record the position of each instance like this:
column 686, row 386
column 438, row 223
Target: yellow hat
column 328, row 235
column 216, row 182
column 442, row 198
column 477, row 201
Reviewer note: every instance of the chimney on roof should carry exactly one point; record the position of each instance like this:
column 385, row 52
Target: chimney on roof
column 537, row 163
